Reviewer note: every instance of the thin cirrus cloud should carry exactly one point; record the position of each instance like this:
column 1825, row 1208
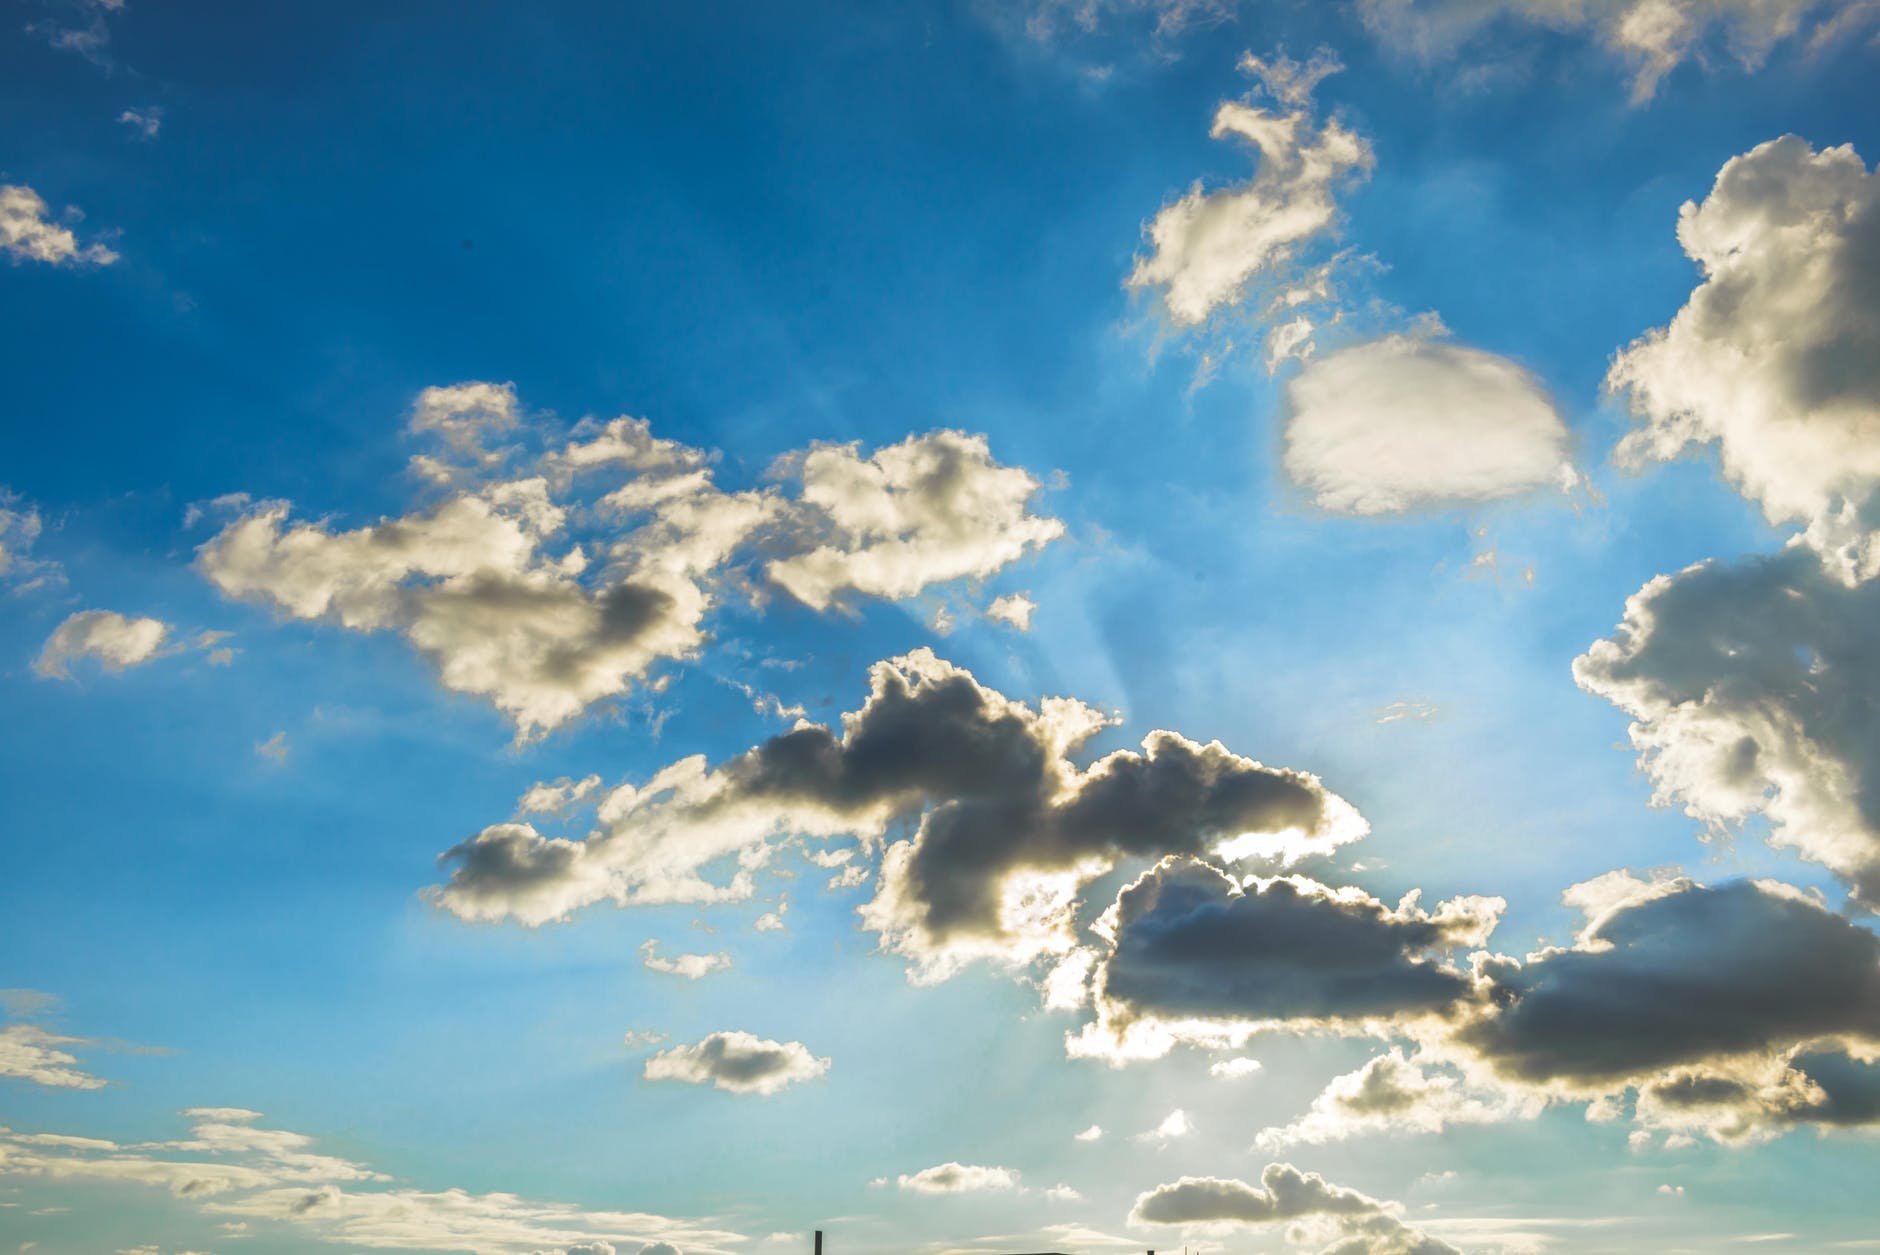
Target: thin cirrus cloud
column 546, row 583
column 738, row 1063
column 1651, row 37
column 1775, row 356
column 28, row 233
column 231, row 1169
column 1008, row 828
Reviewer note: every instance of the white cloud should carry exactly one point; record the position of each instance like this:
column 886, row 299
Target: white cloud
column 1174, row 1125
column 20, row 528
column 546, row 585
column 958, row 1178
column 27, row 234
column 1392, row 1093
column 1233, row 1069
column 690, row 966
column 1091, row 1134
column 738, row 1063
column 145, row 122
column 112, row 640
column 1748, row 685
column 1652, row 36
column 1406, row 421
column 1208, row 248
column 270, row 1181
column 1013, row 609
column 1357, row 1223
column 275, row 748
column 30, row 1053
column 556, row 797
column 1776, row 355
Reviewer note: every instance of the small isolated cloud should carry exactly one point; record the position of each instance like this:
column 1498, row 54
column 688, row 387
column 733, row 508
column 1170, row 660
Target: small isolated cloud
column 28, row 234
column 1091, row 1134
column 958, row 1178
column 143, row 123
column 112, row 640
column 32, row 1054
column 274, row 749
column 1013, row 609
column 1233, row 1069
column 1175, row 1124
column 1358, row 1224
column 20, row 528
column 1396, row 1094
column 1775, row 357
column 690, row 966
column 738, row 1063
column 1408, row 422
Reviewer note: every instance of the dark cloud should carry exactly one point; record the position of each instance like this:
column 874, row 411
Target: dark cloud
column 1191, row 942
column 1285, row 1194
column 737, row 1062
column 1691, row 974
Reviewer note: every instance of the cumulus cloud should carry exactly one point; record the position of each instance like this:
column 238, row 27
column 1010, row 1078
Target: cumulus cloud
column 1775, row 358
column 690, row 966
column 544, row 585
column 112, row 640
column 1653, row 37
column 231, row 1168
column 1752, row 687
column 1009, row 827
column 1013, row 609
column 1174, row 1125
column 1408, row 421
column 1356, row 1223
column 958, row 1178
column 738, row 1063
column 926, row 511
column 1675, row 976
column 1208, row 249
column 1397, row 1094
column 1198, row 956
column 28, row 234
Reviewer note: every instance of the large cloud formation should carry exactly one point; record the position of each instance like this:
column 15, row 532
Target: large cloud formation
column 1405, row 421
column 1652, row 36
column 1196, row 955
column 232, row 1169
column 546, row 584
column 1754, row 689
column 1776, row 355
column 738, row 1063
column 1356, row 1223
column 1009, row 827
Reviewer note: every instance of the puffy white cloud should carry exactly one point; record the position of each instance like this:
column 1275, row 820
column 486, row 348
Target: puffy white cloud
column 31, row 1053
column 1233, row 1069
column 1397, row 1094
column 738, row 1063
column 1175, row 1124
column 1208, row 248
column 1092, row 1134
column 1407, row 421
column 547, row 585
column 114, row 641
column 27, row 234
column 1652, row 36
column 958, row 1178
column 1199, row 957
column 690, row 966
column 1009, row 826
column 556, row 797
column 931, row 509
column 1752, row 687
column 231, row 1168
column 1776, row 355
column 1013, row 609
column 1357, row 1223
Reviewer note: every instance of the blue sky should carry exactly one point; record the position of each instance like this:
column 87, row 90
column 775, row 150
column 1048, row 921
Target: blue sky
column 1216, row 468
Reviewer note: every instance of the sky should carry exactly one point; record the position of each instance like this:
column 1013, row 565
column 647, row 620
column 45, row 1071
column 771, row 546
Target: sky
column 979, row 625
